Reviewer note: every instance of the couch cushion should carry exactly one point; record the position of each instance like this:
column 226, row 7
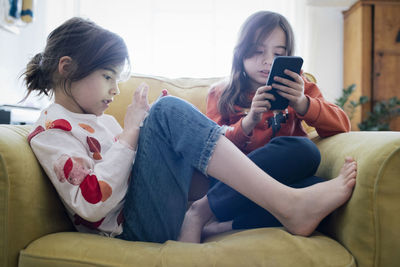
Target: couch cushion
column 258, row 247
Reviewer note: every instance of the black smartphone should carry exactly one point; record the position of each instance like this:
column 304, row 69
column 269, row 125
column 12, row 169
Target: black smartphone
column 279, row 64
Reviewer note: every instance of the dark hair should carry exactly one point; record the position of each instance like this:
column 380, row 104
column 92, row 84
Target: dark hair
column 254, row 30
column 90, row 47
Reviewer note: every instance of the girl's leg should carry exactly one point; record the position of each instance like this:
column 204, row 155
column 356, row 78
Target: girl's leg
column 256, row 217
column 175, row 139
column 253, row 216
column 288, row 159
column 299, row 210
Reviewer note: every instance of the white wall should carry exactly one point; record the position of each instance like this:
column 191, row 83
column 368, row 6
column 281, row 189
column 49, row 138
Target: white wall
column 323, row 48
column 15, row 52
column 17, row 49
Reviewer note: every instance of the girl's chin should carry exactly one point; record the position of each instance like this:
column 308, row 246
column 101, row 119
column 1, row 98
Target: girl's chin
column 258, row 83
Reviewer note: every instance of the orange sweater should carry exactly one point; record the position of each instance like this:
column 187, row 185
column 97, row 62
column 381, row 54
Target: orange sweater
column 327, row 118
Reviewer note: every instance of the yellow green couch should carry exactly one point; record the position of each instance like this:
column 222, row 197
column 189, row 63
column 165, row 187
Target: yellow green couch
column 35, row 231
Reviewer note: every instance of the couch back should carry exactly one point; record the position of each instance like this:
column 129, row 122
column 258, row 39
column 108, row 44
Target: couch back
column 193, row 90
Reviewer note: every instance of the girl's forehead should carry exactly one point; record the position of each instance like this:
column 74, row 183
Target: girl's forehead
column 116, row 70
column 121, row 71
column 276, row 37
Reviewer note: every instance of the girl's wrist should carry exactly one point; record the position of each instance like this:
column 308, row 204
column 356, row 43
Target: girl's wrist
column 302, row 107
column 248, row 124
column 130, row 137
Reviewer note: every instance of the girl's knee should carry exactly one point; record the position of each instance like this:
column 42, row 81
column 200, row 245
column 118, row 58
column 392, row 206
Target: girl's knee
column 168, row 104
column 298, row 145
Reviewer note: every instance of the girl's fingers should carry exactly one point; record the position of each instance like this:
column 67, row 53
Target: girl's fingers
column 263, row 96
column 263, row 89
column 294, row 75
column 261, row 106
column 138, row 92
column 141, row 94
column 144, row 93
column 145, row 97
column 298, row 81
column 289, row 97
column 284, row 82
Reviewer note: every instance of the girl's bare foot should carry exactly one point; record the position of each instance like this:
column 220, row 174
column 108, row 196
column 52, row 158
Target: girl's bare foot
column 312, row 204
column 196, row 217
column 214, row 227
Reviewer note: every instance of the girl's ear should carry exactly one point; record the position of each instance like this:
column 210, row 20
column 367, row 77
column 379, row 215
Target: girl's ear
column 65, row 66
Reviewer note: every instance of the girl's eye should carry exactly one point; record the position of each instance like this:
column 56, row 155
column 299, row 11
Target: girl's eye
column 107, row 77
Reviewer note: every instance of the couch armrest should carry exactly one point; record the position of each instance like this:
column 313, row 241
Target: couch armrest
column 29, row 206
column 368, row 224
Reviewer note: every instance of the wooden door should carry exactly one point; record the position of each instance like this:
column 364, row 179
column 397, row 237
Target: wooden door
column 357, row 51
column 386, row 68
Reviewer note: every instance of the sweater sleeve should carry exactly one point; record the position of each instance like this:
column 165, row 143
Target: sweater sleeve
column 327, row 118
column 234, row 132
column 89, row 187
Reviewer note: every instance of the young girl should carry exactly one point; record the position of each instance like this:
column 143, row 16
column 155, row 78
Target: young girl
column 274, row 140
column 88, row 156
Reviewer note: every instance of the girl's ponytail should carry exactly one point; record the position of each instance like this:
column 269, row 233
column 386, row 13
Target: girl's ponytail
column 35, row 77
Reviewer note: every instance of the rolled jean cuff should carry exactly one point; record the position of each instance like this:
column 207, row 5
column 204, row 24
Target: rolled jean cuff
column 209, row 148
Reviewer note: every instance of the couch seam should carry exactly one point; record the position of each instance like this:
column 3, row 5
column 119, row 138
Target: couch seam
column 375, row 205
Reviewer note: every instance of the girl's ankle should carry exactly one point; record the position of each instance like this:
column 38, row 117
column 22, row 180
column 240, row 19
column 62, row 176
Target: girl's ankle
column 200, row 208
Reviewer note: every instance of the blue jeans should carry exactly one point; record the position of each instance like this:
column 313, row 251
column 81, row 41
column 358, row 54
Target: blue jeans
column 175, row 139
column 291, row 160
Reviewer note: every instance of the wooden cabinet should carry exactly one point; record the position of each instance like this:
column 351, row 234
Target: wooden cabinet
column 372, row 53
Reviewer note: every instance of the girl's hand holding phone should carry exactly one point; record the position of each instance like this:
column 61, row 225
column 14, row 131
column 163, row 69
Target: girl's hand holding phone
column 259, row 105
column 293, row 91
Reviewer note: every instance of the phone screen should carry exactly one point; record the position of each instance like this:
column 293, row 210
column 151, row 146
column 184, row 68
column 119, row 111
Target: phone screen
column 279, row 64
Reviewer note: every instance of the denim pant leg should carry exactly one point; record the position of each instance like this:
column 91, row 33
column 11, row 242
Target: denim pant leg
column 175, row 139
column 288, row 159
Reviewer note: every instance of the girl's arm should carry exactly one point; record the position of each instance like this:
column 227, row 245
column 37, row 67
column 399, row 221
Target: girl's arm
column 91, row 186
column 327, row 118
column 234, row 131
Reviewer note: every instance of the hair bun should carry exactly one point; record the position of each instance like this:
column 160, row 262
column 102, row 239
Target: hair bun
column 35, row 76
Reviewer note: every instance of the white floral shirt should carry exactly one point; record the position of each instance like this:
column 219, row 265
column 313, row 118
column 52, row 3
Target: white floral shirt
column 87, row 164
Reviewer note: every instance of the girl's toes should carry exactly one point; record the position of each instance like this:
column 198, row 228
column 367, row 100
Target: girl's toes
column 351, row 183
column 349, row 159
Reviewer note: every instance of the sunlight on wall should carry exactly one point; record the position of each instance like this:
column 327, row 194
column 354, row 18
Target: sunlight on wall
column 181, row 38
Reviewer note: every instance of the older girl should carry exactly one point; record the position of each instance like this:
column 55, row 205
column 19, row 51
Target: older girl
column 273, row 139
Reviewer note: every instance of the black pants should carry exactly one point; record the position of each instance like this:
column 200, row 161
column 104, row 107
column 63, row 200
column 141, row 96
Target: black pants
column 291, row 160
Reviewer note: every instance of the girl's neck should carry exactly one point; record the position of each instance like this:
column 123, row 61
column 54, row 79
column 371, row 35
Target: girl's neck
column 254, row 85
column 68, row 102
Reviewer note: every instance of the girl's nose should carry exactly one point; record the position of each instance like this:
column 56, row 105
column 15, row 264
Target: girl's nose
column 115, row 90
column 267, row 60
